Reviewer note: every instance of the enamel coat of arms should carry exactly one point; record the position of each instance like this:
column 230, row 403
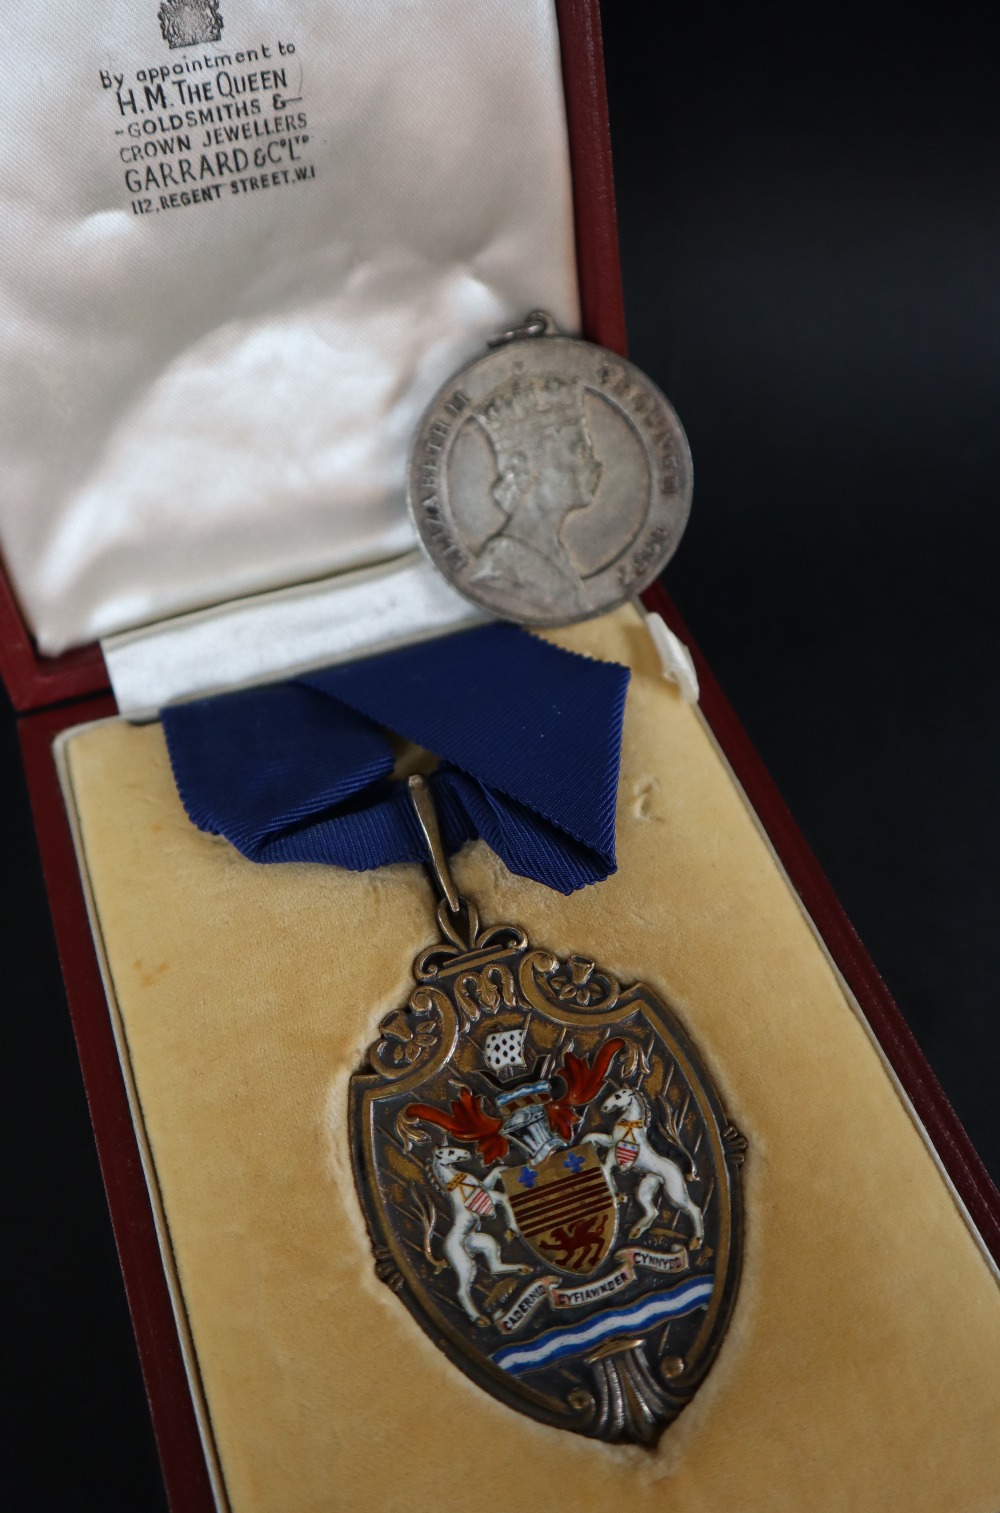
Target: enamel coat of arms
column 550, row 1183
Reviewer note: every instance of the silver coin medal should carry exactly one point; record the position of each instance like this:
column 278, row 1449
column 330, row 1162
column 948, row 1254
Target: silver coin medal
column 549, row 480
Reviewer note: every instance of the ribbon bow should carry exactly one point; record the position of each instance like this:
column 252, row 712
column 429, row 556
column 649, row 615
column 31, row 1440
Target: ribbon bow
column 528, row 737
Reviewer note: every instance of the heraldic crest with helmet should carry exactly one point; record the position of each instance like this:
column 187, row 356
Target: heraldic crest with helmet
column 549, row 1182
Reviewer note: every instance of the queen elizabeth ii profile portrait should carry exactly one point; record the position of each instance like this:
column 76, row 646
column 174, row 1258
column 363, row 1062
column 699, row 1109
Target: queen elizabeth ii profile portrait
column 545, row 470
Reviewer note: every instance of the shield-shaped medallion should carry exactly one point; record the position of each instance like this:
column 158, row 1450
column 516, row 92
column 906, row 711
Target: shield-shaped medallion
column 549, row 1181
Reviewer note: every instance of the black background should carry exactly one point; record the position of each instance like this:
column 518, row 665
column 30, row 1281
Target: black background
column 810, row 228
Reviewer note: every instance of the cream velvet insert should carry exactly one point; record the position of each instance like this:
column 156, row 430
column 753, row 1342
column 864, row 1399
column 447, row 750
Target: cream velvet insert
column 862, row 1368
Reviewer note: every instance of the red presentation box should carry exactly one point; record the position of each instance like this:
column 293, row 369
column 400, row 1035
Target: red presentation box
column 53, row 695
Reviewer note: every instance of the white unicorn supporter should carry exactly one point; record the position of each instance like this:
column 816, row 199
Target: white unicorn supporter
column 472, row 1200
column 627, row 1146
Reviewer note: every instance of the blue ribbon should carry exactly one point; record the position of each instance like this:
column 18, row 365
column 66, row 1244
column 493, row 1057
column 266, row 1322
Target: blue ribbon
column 528, row 737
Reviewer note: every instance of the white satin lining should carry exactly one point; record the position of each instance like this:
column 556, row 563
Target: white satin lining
column 208, row 402
column 675, row 658
column 272, row 636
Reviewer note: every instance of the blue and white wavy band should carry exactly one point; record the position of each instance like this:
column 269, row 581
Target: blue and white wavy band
column 558, row 1344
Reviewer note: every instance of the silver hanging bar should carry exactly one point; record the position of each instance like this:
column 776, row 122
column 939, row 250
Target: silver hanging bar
column 423, row 804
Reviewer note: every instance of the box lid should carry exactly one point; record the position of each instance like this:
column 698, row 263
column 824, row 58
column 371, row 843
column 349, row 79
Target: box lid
column 213, row 397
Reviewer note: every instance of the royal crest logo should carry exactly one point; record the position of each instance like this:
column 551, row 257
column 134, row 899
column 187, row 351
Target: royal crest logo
column 549, row 1182
column 187, row 22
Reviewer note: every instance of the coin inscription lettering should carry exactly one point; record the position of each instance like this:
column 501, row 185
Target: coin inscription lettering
column 550, row 480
